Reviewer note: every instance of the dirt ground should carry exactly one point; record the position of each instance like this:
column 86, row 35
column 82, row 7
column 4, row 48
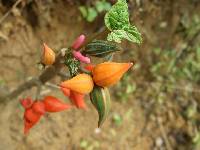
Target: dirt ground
column 146, row 125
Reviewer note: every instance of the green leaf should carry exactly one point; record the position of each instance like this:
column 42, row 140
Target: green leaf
column 118, row 35
column 2, row 82
column 196, row 140
column 89, row 13
column 117, row 21
column 84, row 144
column 109, row 57
column 102, row 6
column 117, row 16
column 107, row 6
column 117, row 119
column 198, row 53
column 83, row 11
column 157, row 51
column 92, row 14
column 100, row 48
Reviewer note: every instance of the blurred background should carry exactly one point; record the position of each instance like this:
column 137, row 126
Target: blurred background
column 156, row 106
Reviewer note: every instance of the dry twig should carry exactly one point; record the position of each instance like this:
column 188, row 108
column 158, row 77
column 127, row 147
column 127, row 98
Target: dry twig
column 8, row 12
column 46, row 75
column 164, row 134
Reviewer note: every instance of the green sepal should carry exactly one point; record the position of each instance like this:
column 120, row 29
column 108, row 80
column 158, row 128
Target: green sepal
column 100, row 98
column 100, row 48
column 72, row 64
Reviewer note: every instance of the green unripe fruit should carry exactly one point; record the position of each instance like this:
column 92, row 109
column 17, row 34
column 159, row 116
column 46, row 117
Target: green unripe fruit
column 100, row 98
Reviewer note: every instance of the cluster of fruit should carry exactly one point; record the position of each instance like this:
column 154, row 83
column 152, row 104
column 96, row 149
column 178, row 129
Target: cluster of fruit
column 95, row 81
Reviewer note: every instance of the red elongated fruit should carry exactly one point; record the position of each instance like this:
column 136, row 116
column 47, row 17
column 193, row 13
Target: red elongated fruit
column 89, row 67
column 65, row 91
column 38, row 107
column 77, row 99
column 52, row 104
column 27, row 126
column 78, row 42
column 31, row 116
column 26, row 103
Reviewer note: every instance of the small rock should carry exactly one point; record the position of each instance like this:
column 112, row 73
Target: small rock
column 159, row 142
column 97, row 131
column 163, row 24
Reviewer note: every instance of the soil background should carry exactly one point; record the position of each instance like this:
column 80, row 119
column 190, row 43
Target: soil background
column 58, row 23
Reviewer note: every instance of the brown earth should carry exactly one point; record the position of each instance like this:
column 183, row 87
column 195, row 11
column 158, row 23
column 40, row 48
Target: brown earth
column 58, row 23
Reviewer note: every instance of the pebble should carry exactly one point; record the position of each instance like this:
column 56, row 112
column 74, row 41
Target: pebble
column 159, row 142
column 97, row 130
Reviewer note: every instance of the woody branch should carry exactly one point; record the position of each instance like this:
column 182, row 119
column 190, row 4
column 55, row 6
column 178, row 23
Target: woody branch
column 49, row 73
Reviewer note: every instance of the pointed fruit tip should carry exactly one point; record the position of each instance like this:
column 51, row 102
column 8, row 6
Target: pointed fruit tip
column 128, row 65
column 26, row 132
column 82, row 107
column 68, row 106
column 99, row 124
column 45, row 46
column 65, row 91
column 63, row 84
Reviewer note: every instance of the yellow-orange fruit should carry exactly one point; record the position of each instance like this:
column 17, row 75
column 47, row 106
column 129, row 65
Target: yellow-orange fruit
column 109, row 73
column 48, row 57
column 81, row 83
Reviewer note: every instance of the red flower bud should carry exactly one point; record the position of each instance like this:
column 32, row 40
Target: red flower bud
column 89, row 67
column 26, row 103
column 65, row 91
column 38, row 107
column 31, row 116
column 34, row 111
column 52, row 104
column 77, row 99
column 28, row 125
